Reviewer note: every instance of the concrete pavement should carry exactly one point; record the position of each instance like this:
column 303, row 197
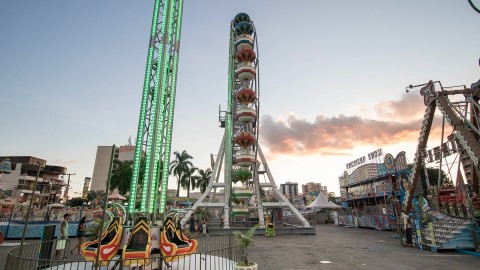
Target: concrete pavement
column 335, row 247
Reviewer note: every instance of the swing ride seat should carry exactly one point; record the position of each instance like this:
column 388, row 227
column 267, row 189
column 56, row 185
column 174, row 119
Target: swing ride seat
column 173, row 243
column 138, row 245
column 109, row 244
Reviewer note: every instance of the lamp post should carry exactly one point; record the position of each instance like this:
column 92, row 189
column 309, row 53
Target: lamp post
column 39, row 167
column 65, row 195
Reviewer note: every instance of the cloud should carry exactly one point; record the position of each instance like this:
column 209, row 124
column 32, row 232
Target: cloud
column 65, row 162
column 337, row 135
column 409, row 107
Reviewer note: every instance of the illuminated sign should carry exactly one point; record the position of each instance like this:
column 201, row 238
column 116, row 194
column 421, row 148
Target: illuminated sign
column 375, row 154
column 446, row 149
column 356, row 162
column 361, row 160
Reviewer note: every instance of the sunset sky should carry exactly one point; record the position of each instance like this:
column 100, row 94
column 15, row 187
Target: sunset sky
column 333, row 77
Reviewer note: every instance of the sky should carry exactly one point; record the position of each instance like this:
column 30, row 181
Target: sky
column 332, row 78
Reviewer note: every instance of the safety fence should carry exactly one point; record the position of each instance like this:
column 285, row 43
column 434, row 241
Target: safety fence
column 216, row 252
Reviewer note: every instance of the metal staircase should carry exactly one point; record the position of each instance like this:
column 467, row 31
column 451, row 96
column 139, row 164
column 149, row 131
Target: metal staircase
column 449, row 232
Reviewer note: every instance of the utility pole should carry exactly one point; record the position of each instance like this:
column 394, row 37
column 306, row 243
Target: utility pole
column 65, row 194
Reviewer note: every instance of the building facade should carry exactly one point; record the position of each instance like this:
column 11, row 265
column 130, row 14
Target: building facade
column 289, row 189
column 102, row 163
column 314, row 188
column 18, row 185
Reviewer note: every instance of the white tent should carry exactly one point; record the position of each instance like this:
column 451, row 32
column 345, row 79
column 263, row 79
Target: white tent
column 321, row 202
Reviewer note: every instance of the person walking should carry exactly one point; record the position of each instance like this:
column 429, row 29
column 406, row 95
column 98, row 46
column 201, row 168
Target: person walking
column 204, row 228
column 81, row 230
column 192, row 226
column 62, row 236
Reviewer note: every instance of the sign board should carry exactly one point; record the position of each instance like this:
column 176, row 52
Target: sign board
column 5, row 166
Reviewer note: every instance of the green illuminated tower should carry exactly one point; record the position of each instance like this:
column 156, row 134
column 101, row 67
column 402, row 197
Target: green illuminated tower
column 153, row 143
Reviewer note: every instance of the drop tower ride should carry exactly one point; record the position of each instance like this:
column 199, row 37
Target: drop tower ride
column 153, row 142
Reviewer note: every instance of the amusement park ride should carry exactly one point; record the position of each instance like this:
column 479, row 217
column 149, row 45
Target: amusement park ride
column 463, row 115
column 133, row 232
column 145, row 228
column 240, row 151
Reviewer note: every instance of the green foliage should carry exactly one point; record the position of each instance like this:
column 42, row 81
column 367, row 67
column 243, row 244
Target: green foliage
column 202, row 213
column 121, row 176
column 93, row 229
column 96, row 197
column 179, row 166
column 204, row 179
column 246, row 240
column 74, row 202
column 189, row 180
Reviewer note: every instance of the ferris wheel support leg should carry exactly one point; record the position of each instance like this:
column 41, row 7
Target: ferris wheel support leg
column 279, row 194
column 213, row 179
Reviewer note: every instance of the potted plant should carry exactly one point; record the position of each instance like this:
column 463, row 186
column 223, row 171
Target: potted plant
column 245, row 240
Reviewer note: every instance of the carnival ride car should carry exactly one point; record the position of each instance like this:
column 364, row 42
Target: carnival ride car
column 172, row 240
column 109, row 243
column 110, row 240
column 138, row 245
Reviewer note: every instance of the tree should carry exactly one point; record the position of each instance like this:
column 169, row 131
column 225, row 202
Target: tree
column 432, row 177
column 121, row 176
column 332, row 197
column 95, row 197
column 203, row 179
column 179, row 166
column 245, row 240
column 73, row 202
column 189, row 180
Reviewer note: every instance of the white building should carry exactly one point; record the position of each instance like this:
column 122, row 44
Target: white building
column 312, row 187
column 18, row 184
column 102, row 163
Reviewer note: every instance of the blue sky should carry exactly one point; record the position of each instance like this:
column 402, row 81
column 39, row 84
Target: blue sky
column 333, row 75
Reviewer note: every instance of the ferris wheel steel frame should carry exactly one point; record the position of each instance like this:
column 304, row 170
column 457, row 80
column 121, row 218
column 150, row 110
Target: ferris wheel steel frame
column 228, row 148
column 154, row 134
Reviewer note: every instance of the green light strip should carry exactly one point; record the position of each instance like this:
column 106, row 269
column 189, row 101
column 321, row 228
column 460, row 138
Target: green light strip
column 171, row 110
column 152, row 150
column 161, row 116
column 229, row 132
column 153, row 120
column 143, row 111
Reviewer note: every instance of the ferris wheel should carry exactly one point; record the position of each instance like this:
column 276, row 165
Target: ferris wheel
column 244, row 108
column 240, row 154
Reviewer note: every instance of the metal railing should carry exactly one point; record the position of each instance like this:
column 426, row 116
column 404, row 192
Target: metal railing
column 446, row 224
column 219, row 252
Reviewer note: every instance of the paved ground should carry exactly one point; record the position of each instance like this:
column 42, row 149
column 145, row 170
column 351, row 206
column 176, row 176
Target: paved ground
column 336, row 247
column 349, row 248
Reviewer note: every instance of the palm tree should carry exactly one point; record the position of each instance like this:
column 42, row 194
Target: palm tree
column 245, row 240
column 179, row 165
column 95, row 197
column 203, row 179
column 121, row 176
column 189, row 180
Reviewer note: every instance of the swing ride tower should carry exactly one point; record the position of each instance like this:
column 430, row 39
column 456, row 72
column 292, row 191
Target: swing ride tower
column 154, row 135
column 240, row 154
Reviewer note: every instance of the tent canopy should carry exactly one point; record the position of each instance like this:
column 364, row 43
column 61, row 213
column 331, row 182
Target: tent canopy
column 321, row 202
column 56, row 205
